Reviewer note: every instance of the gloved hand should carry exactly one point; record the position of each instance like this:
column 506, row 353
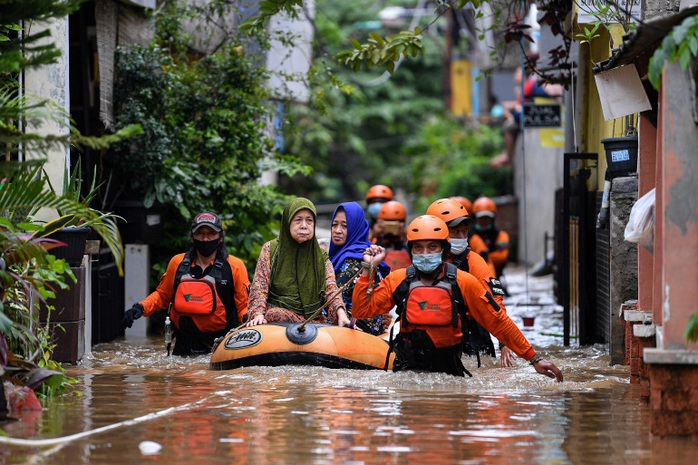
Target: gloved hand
column 132, row 314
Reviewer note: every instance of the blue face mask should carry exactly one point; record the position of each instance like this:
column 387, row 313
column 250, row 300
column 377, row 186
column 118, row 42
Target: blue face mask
column 426, row 262
column 458, row 246
column 373, row 209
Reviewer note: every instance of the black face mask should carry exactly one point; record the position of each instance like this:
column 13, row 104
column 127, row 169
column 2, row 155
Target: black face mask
column 206, row 248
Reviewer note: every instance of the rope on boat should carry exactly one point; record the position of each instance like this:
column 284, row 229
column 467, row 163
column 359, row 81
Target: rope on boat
column 329, row 301
column 76, row 436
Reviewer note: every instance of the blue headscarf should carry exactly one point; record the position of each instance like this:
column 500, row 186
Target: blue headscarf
column 357, row 238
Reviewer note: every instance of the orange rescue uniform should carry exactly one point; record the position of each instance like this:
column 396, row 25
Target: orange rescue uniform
column 162, row 296
column 496, row 322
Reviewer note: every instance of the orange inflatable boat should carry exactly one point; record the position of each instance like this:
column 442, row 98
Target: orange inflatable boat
column 290, row 344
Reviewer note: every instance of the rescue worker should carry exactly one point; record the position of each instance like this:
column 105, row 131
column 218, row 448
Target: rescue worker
column 294, row 278
column 459, row 223
column 376, row 196
column 392, row 219
column 432, row 298
column 205, row 289
column 465, row 202
column 349, row 229
column 475, row 243
column 496, row 241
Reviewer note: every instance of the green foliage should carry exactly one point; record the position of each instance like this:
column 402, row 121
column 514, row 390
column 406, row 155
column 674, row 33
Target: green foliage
column 681, row 43
column 377, row 52
column 353, row 132
column 256, row 25
column 691, row 332
column 33, row 49
column 204, row 141
column 28, row 274
column 450, row 158
column 606, row 13
column 381, row 51
column 24, row 191
column 590, row 33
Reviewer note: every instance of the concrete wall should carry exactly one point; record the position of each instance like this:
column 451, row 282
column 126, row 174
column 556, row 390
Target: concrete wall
column 656, row 8
column 537, row 175
column 676, row 207
column 647, row 165
column 51, row 82
column 623, row 261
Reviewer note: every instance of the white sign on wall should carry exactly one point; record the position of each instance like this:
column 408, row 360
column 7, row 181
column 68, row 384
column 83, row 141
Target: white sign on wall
column 621, row 92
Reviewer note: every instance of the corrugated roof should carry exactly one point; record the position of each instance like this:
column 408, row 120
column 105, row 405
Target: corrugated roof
column 640, row 44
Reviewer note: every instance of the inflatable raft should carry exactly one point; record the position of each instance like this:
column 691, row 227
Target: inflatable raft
column 288, row 344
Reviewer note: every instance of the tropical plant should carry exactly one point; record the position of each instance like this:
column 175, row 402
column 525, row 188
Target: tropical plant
column 24, row 193
column 28, row 276
column 205, row 143
column 691, row 332
column 681, row 43
column 28, row 273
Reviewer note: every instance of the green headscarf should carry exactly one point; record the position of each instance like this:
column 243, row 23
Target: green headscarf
column 297, row 280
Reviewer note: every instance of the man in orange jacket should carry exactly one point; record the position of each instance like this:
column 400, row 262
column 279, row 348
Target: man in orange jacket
column 459, row 223
column 205, row 290
column 496, row 241
column 376, row 196
column 392, row 219
column 432, row 298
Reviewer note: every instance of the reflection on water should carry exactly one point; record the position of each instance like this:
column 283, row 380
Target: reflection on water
column 297, row 415
column 316, row 415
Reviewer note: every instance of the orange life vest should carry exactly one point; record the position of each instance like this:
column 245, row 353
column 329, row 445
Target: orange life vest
column 199, row 299
column 433, row 309
column 397, row 259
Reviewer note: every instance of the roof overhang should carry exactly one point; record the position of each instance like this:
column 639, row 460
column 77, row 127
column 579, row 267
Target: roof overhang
column 639, row 45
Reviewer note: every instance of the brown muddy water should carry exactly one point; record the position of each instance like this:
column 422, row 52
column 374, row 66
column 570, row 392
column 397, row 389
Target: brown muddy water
column 139, row 406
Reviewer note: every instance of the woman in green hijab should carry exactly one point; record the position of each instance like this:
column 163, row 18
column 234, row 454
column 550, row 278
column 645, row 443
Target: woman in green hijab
column 294, row 277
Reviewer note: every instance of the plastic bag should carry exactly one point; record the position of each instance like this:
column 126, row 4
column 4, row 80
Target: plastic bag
column 640, row 227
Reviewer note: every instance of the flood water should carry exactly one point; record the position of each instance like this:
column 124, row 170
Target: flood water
column 131, row 392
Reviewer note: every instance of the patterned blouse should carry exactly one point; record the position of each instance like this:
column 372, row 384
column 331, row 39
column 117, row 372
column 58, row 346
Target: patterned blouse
column 259, row 291
column 349, row 269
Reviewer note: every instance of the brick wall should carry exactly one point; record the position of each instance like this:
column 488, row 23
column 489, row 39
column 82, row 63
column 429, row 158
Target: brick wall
column 674, row 400
column 639, row 334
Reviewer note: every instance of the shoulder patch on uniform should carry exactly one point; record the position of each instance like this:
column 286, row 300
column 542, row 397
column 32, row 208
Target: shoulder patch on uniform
column 496, row 287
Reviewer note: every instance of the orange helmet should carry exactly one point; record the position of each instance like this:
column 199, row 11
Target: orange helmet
column 427, row 228
column 392, row 211
column 379, row 191
column 465, row 202
column 484, row 206
column 450, row 211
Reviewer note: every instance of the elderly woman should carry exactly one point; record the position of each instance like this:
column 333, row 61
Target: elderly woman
column 349, row 242
column 294, row 277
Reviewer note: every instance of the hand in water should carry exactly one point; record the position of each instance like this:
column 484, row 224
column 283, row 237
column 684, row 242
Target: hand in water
column 548, row 369
column 508, row 357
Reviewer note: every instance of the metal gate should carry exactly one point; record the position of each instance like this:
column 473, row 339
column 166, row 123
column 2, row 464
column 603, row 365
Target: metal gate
column 577, row 243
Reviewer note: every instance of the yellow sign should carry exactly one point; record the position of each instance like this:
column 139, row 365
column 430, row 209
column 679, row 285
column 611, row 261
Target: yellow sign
column 461, row 88
column 552, row 137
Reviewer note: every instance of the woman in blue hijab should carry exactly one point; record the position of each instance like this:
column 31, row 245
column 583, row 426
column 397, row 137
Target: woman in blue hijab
column 349, row 241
